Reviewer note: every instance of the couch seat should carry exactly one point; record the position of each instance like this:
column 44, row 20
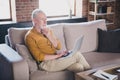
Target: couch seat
column 99, row 59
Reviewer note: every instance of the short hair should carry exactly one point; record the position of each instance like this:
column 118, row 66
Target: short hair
column 35, row 12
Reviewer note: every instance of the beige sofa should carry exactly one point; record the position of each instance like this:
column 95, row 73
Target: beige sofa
column 67, row 33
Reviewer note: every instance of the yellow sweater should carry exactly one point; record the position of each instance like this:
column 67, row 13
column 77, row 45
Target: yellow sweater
column 39, row 45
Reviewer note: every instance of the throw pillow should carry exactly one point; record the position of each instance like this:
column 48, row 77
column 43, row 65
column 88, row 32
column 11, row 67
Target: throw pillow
column 109, row 41
column 24, row 52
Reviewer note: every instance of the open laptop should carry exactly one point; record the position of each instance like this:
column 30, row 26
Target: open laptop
column 76, row 47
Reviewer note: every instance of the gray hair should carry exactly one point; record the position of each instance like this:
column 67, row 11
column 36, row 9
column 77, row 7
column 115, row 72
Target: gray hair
column 35, row 12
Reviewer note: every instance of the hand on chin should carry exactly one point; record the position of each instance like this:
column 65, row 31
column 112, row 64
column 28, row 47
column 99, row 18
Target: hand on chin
column 45, row 31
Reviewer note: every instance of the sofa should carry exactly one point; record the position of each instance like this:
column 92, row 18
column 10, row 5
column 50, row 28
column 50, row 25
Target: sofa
column 26, row 67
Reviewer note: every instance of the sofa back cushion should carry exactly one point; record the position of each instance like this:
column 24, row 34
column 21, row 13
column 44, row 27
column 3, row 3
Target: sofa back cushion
column 88, row 30
column 58, row 31
column 16, row 36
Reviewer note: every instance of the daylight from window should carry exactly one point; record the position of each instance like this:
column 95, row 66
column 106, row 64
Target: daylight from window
column 5, row 9
column 56, row 7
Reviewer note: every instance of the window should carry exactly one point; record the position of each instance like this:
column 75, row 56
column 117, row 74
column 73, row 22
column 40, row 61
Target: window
column 5, row 9
column 57, row 8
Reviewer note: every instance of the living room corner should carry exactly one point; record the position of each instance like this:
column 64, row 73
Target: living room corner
column 89, row 18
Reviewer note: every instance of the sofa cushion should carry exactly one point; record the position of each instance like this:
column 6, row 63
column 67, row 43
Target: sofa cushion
column 98, row 59
column 88, row 30
column 23, row 51
column 16, row 36
column 58, row 31
column 109, row 41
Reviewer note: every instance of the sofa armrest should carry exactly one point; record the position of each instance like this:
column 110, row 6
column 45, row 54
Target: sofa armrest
column 20, row 69
column 7, row 40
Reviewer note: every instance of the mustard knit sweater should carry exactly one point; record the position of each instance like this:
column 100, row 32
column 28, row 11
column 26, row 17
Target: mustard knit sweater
column 39, row 45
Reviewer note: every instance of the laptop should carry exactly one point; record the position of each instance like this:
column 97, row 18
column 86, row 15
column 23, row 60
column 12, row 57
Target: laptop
column 76, row 47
